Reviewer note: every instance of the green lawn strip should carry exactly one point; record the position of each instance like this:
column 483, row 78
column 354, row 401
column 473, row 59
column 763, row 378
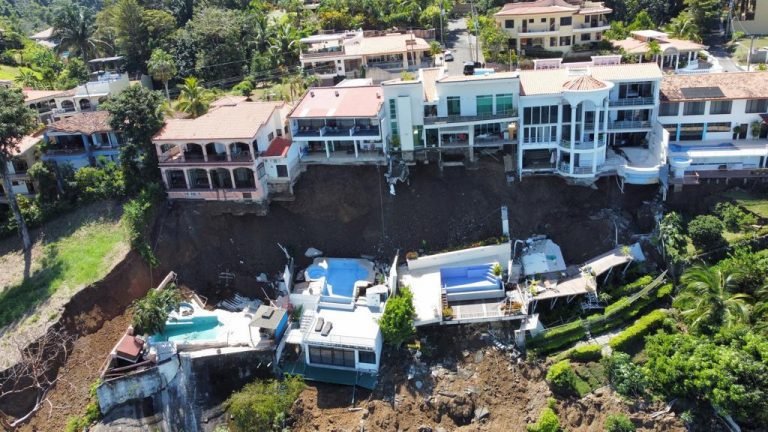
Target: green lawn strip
column 70, row 262
column 590, row 376
column 8, row 72
column 755, row 204
column 740, row 54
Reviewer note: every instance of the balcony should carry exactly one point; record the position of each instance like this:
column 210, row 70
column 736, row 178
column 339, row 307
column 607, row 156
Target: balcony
column 564, row 168
column 635, row 101
column 629, row 124
column 323, row 52
column 582, row 145
column 538, row 29
column 433, row 120
column 591, row 26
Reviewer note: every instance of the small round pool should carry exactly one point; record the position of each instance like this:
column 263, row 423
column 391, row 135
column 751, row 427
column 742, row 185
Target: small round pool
column 315, row 272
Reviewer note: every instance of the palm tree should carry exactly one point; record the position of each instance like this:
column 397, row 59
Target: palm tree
column 262, row 31
column 27, row 78
column 162, row 68
column 283, row 44
column 434, row 50
column 194, row 99
column 706, row 301
column 654, row 51
column 684, row 26
column 73, row 27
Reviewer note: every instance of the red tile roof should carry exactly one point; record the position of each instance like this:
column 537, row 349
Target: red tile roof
column 734, row 85
column 84, row 123
column 278, row 148
column 322, row 102
column 240, row 121
column 129, row 348
column 584, row 83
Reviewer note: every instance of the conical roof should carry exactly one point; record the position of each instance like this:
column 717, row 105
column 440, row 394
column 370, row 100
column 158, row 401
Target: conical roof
column 584, row 83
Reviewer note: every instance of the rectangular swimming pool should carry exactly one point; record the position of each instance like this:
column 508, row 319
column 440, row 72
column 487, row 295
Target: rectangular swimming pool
column 197, row 328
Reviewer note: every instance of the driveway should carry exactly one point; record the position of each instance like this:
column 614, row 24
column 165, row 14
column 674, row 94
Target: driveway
column 718, row 47
column 457, row 39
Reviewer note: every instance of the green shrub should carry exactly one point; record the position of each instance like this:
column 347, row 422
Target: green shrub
column 151, row 311
column 632, row 287
column 637, row 331
column 625, row 377
column 619, row 423
column 97, row 183
column 586, row 353
column 557, row 337
column 706, row 232
column 562, row 378
column 137, row 215
column 734, row 218
column 548, row 422
column 262, row 405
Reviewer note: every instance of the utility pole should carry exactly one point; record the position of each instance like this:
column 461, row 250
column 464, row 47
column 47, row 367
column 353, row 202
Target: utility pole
column 442, row 36
column 473, row 14
column 749, row 54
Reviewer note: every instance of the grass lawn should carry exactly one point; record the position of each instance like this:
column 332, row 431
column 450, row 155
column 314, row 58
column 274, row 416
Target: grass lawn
column 590, row 376
column 754, row 203
column 77, row 259
column 8, row 72
column 739, row 55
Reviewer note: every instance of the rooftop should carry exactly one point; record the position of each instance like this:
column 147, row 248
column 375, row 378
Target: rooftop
column 639, row 44
column 87, row 123
column 485, row 77
column 391, row 43
column 27, row 143
column 240, row 121
column 33, row 95
column 733, row 85
column 540, row 7
column 357, row 327
column 552, row 81
column 584, row 83
column 44, row 34
column 321, row 102
column 428, row 78
column 268, row 317
column 278, row 148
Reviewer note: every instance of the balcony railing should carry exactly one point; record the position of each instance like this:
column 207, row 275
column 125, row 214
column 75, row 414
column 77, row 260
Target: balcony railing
column 338, row 131
column 628, row 124
column 431, row 120
column 538, row 29
column 64, row 152
column 566, row 167
column 632, row 101
column 591, row 25
column 582, row 145
column 322, row 53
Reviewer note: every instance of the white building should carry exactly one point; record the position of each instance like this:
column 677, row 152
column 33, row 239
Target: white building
column 238, row 151
column 337, row 125
column 553, row 25
column 451, row 115
column 24, row 157
column 583, row 121
column 679, row 55
column 106, row 79
column 338, row 339
column 717, row 126
column 356, row 55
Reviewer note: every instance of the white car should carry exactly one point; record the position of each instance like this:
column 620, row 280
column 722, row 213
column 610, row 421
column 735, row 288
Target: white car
column 448, row 55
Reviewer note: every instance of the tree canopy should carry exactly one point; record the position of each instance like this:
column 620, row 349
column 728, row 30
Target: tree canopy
column 396, row 322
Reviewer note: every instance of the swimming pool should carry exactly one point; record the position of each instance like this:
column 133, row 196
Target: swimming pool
column 340, row 275
column 677, row 148
column 196, row 328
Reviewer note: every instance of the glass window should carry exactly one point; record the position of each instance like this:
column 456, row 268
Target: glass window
column 693, row 108
column 504, row 104
column 368, row 357
column 271, row 136
column 553, row 41
column 261, row 171
column 566, row 21
column 392, row 109
column 510, row 24
column 691, row 132
column 565, row 41
column 282, row 170
column 718, row 127
column 757, row 106
column 585, row 37
column 720, row 107
column 484, row 105
column 454, row 105
column 332, row 356
column 669, row 108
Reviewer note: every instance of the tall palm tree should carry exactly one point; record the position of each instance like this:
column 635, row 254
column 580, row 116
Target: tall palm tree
column 194, row 99
column 27, row 78
column 684, row 26
column 654, row 51
column 706, row 301
column 283, row 44
column 162, row 68
column 262, row 30
column 73, row 26
column 435, row 49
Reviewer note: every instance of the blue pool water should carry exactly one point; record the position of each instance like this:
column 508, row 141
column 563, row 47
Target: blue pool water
column 340, row 276
column 196, row 328
column 677, row 148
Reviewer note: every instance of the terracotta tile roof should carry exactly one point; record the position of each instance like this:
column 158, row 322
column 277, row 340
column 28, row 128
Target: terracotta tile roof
column 84, row 123
column 536, row 8
column 228, row 100
column 230, row 122
column 27, row 143
column 389, row 44
column 584, row 83
column 734, row 85
column 33, row 95
column 636, row 46
column 321, row 102
column 551, row 81
column 278, row 148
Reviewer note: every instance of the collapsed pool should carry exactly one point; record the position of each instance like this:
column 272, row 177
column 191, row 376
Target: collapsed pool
column 340, row 276
column 194, row 328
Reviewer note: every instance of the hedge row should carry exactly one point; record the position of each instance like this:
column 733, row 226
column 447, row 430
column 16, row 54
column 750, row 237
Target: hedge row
column 637, row 331
column 586, row 353
column 614, row 316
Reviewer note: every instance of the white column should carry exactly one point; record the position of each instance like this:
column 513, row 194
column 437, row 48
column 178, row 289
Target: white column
column 583, row 121
column 327, row 150
column 573, row 138
column 187, row 178
column 232, row 176
column 677, row 61
column 354, row 143
column 205, row 152
column 596, row 140
column 210, row 179
column 471, row 137
column 559, row 131
column 252, row 150
column 164, row 173
column 228, row 151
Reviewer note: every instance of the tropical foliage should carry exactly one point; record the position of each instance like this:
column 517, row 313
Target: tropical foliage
column 707, row 302
column 396, row 322
column 263, row 405
column 151, row 311
column 194, row 99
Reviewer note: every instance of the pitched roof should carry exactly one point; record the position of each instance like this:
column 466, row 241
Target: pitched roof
column 45, row 34
column 391, row 43
column 734, row 85
column 84, row 123
column 635, row 46
column 31, row 95
column 239, row 121
column 27, row 143
column 584, row 83
column 278, row 148
column 551, row 81
column 320, row 102
column 536, row 8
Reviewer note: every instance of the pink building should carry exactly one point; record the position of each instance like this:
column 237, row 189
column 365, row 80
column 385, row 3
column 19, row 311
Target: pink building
column 238, row 151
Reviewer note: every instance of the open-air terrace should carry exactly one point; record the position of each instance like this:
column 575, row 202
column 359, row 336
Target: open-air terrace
column 436, row 120
column 337, row 128
column 218, row 153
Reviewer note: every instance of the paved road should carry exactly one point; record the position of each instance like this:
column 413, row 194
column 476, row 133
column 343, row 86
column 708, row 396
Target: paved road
column 457, row 39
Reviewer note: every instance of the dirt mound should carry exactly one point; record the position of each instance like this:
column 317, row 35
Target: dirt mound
column 486, row 391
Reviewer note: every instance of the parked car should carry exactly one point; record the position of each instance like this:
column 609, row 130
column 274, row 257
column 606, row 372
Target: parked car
column 448, row 55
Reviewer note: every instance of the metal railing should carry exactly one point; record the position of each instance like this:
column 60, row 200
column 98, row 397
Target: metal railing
column 632, row 101
column 590, row 25
column 326, row 53
column 565, row 169
column 430, row 120
column 538, row 29
column 628, row 124
column 582, row 145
